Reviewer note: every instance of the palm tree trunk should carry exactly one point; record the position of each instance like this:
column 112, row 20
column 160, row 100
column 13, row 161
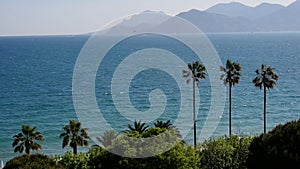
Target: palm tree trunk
column 75, row 149
column 265, row 109
column 194, row 112
column 27, row 150
column 230, row 86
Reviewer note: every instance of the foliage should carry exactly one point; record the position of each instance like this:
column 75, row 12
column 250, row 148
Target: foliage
column 138, row 126
column 232, row 73
column 152, row 141
column 108, row 137
column 100, row 158
column 75, row 135
column 74, row 161
column 35, row 161
column 179, row 157
column 225, row 152
column 26, row 138
column 161, row 124
column 153, row 131
column 280, row 148
column 196, row 71
column 265, row 77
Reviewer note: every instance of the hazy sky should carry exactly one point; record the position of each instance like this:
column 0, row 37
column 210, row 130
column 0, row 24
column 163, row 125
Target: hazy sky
column 27, row 17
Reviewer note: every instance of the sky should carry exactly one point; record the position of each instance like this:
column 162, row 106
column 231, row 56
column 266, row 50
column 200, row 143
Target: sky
column 53, row 17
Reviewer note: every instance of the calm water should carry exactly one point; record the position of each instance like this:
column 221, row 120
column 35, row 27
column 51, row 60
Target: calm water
column 36, row 86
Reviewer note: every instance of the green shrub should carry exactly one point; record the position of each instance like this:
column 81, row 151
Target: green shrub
column 225, row 152
column 35, row 161
column 100, row 158
column 280, row 148
column 74, row 161
column 179, row 157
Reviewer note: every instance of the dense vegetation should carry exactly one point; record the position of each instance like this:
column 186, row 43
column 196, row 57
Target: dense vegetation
column 280, row 148
column 34, row 161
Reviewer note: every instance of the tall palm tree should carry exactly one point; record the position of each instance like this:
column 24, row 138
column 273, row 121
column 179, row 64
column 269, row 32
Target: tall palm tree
column 231, row 76
column 75, row 135
column 196, row 71
column 138, row 126
column 161, row 124
column 267, row 79
column 26, row 138
column 108, row 137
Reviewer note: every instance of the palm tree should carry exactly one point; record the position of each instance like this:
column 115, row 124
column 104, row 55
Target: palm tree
column 75, row 135
column 167, row 125
column 26, row 138
column 267, row 79
column 161, row 124
column 196, row 71
column 138, row 126
column 108, row 137
column 231, row 76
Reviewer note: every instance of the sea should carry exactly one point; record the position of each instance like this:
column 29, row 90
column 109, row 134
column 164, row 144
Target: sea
column 36, row 78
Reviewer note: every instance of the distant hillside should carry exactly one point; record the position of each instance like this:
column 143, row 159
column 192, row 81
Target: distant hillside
column 231, row 17
column 235, row 9
column 286, row 19
column 236, row 17
column 210, row 22
column 145, row 21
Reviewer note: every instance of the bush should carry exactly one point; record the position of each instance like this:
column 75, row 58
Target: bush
column 74, row 161
column 100, row 158
column 179, row 157
column 35, row 161
column 225, row 153
column 279, row 148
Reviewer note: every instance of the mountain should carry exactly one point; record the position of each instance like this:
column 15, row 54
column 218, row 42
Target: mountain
column 142, row 22
column 236, row 17
column 211, row 22
column 235, row 9
column 231, row 17
column 264, row 9
column 286, row 19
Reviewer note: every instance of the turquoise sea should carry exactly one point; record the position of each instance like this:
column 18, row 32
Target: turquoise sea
column 36, row 86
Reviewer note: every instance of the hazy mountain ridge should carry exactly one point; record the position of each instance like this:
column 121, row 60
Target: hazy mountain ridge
column 230, row 17
column 235, row 9
column 211, row 22
column 236, row 17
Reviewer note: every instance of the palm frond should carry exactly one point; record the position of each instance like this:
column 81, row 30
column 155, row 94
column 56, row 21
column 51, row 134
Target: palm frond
column 265, row 77
column 232, row 73
column 196, row 71
column 25, row 139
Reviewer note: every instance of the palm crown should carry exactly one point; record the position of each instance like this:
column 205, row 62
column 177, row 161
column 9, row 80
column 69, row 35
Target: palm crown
column 232, row 73
column 161, row 124
column 108, row 138
column 138, row 126
column 26, row 138
column 265, row 77
column 75, row 135
column 196, row 71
